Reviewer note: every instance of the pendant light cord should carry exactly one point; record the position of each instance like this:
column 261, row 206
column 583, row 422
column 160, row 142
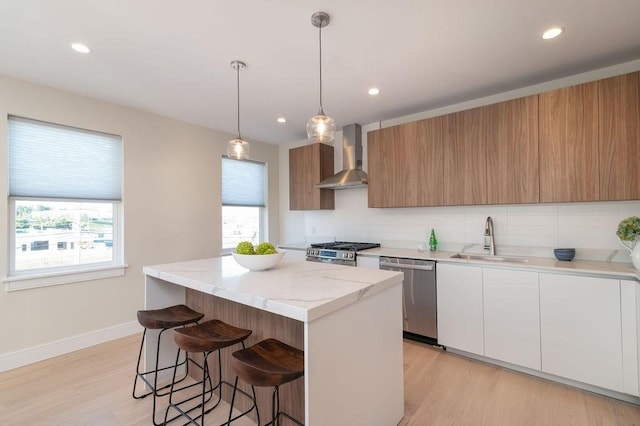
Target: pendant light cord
column 238, row 93
column 320, row 43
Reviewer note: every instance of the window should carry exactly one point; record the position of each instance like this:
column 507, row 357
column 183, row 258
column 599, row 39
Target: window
column 65, row 202
column 243, row 202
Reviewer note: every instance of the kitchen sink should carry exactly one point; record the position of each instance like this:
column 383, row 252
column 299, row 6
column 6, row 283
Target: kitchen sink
column 489, row 258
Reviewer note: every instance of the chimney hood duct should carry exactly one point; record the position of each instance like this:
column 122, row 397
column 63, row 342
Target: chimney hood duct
column 352, row 175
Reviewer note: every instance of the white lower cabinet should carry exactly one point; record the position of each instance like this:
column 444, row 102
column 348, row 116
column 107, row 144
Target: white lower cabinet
column 460, row 317
column 581, row 329
column 630, row 301
column 295, row 254
column 512, row 316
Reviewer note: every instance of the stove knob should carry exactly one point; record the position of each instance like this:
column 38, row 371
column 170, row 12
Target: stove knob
column 308, row 252
column 350, row 255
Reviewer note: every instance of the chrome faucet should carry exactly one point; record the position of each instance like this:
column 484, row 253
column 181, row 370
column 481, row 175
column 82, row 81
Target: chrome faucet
column 488, row 237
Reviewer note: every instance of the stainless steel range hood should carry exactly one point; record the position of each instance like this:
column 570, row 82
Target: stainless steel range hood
column 352, row 175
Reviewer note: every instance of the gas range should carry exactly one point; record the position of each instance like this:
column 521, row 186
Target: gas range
column 337, row 252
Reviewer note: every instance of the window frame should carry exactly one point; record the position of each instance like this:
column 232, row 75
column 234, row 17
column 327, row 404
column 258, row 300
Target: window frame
column 263, row 210
column 261, row 224
column 64, row 274
column 43, row 277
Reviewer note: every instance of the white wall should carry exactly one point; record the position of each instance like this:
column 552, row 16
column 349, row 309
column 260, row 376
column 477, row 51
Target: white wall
column 520, row 229
column 171, row 213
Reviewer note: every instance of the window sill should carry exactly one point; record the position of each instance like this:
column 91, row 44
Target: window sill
column 24, row 282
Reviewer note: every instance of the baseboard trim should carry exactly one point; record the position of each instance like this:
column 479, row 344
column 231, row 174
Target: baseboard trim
column 547, row 376
column 27, row 356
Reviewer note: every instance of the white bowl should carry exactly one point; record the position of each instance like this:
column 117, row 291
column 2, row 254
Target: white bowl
column 258, row 262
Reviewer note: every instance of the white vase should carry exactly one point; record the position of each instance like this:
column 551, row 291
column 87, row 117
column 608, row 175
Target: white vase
column 634, row 248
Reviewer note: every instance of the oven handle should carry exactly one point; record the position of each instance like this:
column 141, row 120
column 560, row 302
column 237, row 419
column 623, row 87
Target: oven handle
column 405, row 266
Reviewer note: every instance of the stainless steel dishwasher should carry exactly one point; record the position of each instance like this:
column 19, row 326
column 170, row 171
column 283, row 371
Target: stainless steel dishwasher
column 418, row 297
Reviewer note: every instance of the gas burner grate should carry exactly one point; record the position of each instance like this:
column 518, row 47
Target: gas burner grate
column 345, row 245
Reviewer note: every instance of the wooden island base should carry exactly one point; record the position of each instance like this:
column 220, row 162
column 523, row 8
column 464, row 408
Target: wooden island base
column 264, row 325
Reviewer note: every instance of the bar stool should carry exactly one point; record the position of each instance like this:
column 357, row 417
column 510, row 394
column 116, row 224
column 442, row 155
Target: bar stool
column 206, row 338
column 163, row 320
column 268, row 363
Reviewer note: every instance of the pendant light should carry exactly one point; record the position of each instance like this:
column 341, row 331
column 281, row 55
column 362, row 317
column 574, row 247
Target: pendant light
column 321, row 128
column 238, row 148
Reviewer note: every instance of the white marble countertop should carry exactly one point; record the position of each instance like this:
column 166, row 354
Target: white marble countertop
column 611, row 269
column 302, row 291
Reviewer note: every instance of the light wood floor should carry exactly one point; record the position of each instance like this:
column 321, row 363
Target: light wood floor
column 93, row 387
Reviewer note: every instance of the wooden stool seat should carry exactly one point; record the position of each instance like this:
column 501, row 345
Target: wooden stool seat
column 209, row 336
column 173, row 316
column 161, row 319
column 268, row 363
column 206, row 338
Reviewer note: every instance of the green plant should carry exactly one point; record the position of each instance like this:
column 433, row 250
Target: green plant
column 245, row 247
column 629, row 229
column 265, row 248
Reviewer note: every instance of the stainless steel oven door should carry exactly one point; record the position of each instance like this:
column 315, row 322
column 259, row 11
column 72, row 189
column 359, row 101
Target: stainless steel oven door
column 332, row 261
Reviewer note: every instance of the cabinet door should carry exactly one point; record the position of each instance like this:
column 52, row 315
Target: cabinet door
column 512, row 152
column 405, row 165
column 619, row 137
column 580, row 329
column 368, row 262
column 459, row 294
column 512, row 316
column 630, row 298
column 465, row 150
column 308, row 165
column 569, row 144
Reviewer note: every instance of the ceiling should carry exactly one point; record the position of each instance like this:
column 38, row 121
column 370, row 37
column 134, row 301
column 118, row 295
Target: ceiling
column 173, row 57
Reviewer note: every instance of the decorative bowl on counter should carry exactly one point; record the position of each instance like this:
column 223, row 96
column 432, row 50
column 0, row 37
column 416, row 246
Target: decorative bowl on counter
column 566, row 254
column 258, row 262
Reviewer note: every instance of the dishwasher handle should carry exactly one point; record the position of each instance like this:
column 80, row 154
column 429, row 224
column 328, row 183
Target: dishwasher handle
column 429, row 267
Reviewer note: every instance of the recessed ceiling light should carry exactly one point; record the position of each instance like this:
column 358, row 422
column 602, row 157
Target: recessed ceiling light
column 552, row 33
column 374, row 91
column 282, row 120
column 80, row 48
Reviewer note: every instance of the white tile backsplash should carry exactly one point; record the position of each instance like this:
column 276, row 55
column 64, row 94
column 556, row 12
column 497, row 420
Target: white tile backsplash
column 532, row 229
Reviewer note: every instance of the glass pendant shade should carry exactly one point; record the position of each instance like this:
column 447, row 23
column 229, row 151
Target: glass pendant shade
column 321, row 128
column 238, row 148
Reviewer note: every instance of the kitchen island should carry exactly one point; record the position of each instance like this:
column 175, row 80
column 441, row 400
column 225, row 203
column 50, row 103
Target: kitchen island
column 347, row 320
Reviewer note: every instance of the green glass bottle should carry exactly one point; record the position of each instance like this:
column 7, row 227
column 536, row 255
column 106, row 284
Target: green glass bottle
column 433, row 241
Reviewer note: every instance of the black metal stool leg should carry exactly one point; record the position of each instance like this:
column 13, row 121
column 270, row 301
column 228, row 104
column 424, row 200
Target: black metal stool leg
column 233, row 400
column 135, row 380
column 275, row 406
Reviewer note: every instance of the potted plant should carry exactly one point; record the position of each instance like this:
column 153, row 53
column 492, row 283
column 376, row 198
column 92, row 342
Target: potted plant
column 628, row 233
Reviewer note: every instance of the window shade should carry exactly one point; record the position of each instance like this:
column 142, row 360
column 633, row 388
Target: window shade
column 242, row 183
column 53, row 161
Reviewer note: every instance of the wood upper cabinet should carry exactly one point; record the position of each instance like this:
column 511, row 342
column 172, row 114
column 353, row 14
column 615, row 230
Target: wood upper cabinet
column 619, row 137
column 308, row 165
column 569, row 144
column 465, row 157
column 512, row 152
column 405, row 165
column 580, row 143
